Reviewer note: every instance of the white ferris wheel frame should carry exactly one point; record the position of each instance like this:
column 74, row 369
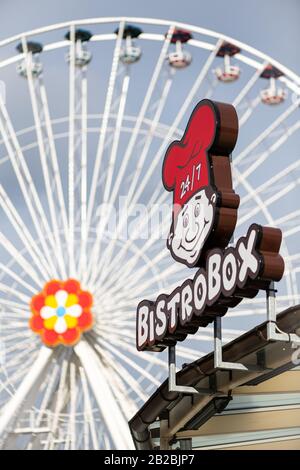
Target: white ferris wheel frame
column 92, row 370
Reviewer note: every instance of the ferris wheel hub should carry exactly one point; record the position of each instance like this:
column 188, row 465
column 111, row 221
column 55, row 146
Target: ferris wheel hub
column 61, row 312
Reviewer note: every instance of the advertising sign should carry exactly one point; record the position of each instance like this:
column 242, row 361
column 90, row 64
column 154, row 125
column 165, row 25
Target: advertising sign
column 197, row 170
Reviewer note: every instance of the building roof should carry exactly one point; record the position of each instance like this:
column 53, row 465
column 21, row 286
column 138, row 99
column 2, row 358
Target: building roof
column 265, row 358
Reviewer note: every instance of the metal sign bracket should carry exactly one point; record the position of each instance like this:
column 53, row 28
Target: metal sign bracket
column 274, row 333
column 218, row 351
column 173, row 387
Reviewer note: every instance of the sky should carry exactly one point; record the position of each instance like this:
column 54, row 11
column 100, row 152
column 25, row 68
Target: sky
column 269, row 25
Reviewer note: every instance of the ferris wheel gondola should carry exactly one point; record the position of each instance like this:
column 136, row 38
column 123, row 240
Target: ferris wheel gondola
column 230, row 72
column 273, row 94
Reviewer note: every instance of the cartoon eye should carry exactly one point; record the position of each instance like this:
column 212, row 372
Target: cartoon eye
column 185, row 220
column 197, row 210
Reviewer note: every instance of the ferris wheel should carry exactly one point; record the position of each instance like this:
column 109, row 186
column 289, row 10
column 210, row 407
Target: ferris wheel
column 87, row 111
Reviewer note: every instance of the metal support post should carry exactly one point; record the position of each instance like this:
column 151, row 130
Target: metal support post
column 218, row 354
column 273, row 332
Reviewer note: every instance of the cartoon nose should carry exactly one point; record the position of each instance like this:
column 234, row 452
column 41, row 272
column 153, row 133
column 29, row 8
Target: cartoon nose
column 192, row 231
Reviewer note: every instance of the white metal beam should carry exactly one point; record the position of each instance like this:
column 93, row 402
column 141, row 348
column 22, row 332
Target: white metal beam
column 32, row 378
column 104, row 124
column 116, row 424
column 89, row 418
column 159, row 153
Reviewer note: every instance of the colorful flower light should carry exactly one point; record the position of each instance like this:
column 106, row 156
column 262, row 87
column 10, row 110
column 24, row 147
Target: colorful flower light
column 61, row 312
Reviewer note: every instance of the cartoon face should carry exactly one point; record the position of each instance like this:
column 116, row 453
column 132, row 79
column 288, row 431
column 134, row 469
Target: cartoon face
column 192, row 227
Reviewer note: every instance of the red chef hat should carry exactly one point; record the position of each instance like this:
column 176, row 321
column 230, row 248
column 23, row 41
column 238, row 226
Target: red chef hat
column 186, row 164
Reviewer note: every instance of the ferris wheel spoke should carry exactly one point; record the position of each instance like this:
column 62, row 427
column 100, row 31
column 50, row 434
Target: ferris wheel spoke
column 7, row 289
column 138, row 286
column 17, row 278
column 114, row 313
column 266, row 133
column 34, row 90
column 71, row 166
column 77, row 156
column 131, row 303
column 147, row 145
column 186, row 353
column 134, row 280
column 16, row 370
column 248, row 86
column 6, row 387
column 13, row 325
column 114, row 318
column 130, row 264
column 282, row 177
column 207, row 334
column 89, row 414
column 278, row 143
column 292, row 231
column 248, row 312
column 104, row 124
column 73, row 395
column 288, row 219
column 148, row 260
column 16, row 312
column 251, row 108
column 34, row 376
column 123, row 374
column 23, row 233
column 116, row 138
column 111, row 166
column 172, row 128
column 166, row 272
column 83, row 172
column 112, row 278
column 146, row 356
column 16, row 375
column 105, row 269
column 53, row 156
column 49, row 392
column 13, row 361
column 13, row 318
column 293, row 258
column 14, row 252
column 128, row 361
column 50, row 441
column 265, row 211
column 142, row 113
column 270, row 200
column 183, row 109
column 120, row 390
column 26, row 344
column 23, row 334
column 213, row 84
column 138, row 275
column 25, row 180
column 262, row 300
column 250, row 190
column 110, row 410
column 138, row 124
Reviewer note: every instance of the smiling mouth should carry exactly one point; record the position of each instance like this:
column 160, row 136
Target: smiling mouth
column 189, row 250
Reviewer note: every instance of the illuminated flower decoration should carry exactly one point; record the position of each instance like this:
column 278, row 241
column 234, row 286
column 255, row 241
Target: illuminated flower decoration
column 61, row 312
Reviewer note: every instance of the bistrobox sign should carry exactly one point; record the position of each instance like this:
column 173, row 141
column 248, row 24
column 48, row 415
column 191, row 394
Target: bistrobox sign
column 197, row 170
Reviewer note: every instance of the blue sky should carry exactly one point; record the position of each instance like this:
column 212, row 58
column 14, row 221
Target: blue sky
column 269, row 25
